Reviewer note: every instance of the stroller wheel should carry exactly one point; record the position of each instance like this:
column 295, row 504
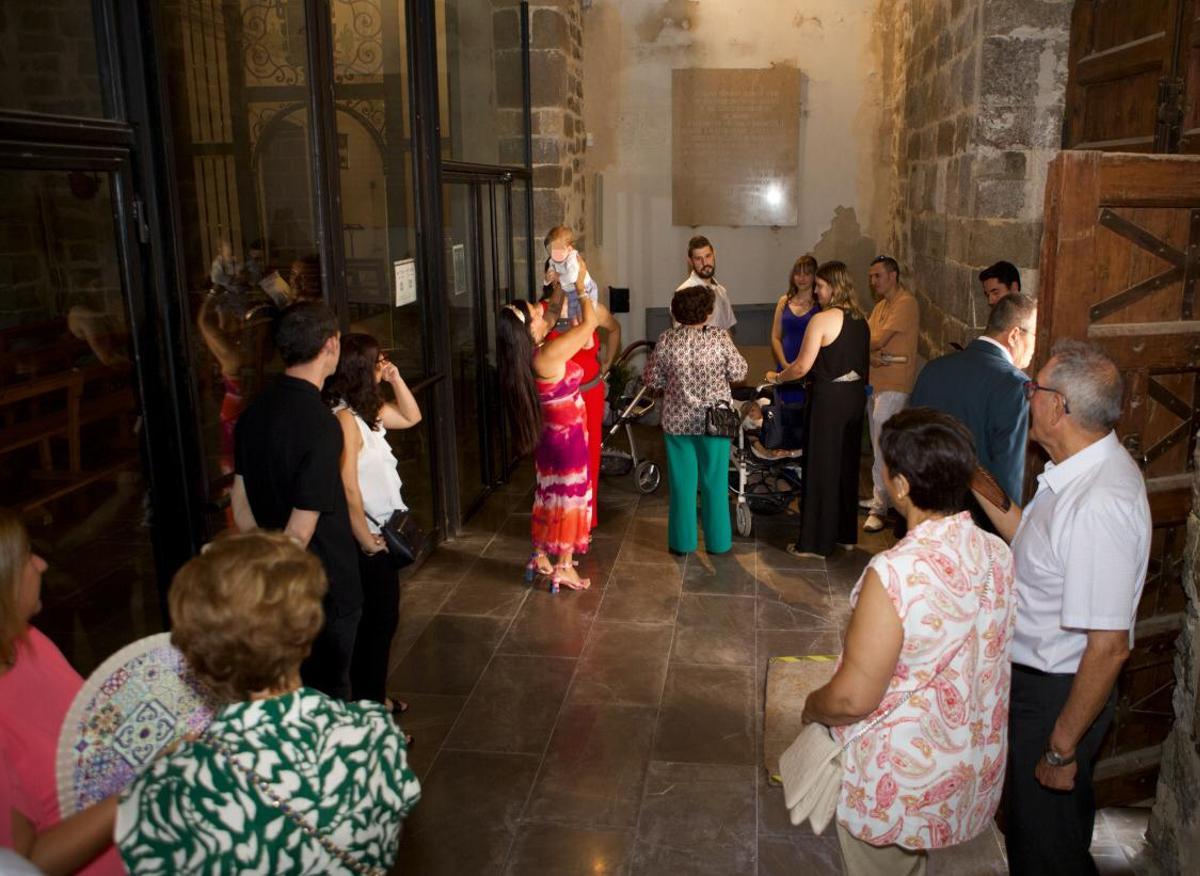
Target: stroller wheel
column 647, row 476
column 745, row 520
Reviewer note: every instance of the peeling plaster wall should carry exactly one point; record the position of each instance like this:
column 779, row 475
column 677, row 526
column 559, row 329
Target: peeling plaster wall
column 630, row 48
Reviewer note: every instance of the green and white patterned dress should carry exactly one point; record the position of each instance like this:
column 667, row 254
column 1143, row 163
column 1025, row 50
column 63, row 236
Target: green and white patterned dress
column 341, row 766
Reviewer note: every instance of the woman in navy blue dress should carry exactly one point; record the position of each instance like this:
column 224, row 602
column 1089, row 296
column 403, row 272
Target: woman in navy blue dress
column 792, row 313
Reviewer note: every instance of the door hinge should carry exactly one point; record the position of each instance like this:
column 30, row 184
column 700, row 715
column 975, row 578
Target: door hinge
column 139, row 218
column 1169, row 123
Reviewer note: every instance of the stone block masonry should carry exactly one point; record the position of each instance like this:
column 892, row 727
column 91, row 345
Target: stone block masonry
column 556, row 91
column 979, row 87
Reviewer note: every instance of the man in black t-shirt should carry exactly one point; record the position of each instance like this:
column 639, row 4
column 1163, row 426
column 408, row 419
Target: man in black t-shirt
column 287, row 450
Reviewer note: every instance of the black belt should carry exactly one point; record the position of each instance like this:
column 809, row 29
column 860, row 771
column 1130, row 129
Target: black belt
column 1022, row 669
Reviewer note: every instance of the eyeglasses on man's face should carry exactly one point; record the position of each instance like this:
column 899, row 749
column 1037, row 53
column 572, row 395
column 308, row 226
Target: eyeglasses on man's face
column 1032, row 386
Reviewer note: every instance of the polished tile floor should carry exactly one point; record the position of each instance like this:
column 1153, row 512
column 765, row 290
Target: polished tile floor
column 619, row 730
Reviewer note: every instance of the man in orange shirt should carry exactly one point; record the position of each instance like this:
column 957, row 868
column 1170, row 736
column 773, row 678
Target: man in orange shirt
column 895, row 323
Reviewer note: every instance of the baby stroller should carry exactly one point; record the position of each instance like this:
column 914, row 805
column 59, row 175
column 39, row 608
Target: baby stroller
column 626, row 410
column 766, row 486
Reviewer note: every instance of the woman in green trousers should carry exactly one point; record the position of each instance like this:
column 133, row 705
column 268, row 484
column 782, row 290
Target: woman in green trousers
column 694, row 364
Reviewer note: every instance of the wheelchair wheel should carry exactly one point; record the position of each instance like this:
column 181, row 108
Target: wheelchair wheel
column 647, row 476
column 744, row 519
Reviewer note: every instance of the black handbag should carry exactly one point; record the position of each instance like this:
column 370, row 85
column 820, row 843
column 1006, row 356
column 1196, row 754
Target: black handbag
column 783, row 426
column 403, row 538
column 721, row 420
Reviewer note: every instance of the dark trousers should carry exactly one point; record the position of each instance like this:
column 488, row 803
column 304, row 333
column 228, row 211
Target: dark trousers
column 829, row 510
column 327, row 668
column 1048, row 832
column 381, row 613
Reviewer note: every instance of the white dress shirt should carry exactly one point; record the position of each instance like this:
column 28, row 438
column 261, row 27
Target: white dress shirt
column 722, row 313
column 999, row 346
column 1081, row 555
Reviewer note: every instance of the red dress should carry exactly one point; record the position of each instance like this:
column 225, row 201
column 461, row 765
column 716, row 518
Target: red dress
column 593, row 399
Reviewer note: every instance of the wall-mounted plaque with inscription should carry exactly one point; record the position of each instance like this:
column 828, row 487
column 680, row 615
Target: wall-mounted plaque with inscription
column 735, row 146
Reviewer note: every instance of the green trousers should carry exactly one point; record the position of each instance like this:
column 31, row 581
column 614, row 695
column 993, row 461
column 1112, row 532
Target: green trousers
column 698, row 461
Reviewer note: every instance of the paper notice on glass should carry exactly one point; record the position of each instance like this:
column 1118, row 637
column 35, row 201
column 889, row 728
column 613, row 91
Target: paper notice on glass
column 406, row 281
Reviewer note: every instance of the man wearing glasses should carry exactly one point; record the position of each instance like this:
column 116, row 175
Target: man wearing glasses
column 983, row 386
column 1081, row 549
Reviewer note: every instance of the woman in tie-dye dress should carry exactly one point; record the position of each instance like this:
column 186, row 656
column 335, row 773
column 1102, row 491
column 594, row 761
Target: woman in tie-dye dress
column 549, row 419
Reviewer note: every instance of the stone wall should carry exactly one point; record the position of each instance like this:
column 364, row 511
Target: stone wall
column 979, row 91
column 48, row 57
column 1175, row 821
column 556, row 92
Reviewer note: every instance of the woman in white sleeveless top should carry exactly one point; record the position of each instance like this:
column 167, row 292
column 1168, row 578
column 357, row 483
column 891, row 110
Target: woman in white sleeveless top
column 934, row 614
column 372, row 486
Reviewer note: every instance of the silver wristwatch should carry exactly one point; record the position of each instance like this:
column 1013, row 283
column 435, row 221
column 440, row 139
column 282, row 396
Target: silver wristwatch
column 1057, row 760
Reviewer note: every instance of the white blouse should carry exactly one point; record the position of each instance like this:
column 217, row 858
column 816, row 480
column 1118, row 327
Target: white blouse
column 378, row 476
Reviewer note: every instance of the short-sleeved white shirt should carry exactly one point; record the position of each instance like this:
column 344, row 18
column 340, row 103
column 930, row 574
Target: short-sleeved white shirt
column 722, row 313
column 1081, row 555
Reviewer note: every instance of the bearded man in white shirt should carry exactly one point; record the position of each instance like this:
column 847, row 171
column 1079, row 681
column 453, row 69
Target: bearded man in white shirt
column 1081, row 546
column 702, row 259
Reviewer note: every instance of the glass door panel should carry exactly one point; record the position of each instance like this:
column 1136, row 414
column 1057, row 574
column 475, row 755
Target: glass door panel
column 467, row 365
column 71, row 460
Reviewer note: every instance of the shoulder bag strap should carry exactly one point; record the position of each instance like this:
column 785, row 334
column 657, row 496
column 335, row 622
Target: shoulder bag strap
column 912, row 693
column 273, row 798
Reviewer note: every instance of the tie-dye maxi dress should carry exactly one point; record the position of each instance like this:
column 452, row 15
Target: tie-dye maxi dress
column 562, row 503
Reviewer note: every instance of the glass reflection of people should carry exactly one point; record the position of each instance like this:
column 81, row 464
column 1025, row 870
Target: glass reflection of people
column 305, row 278
column 256, row 262
column 224, row 269
column 98, row 321
column 372, row 484
column 222, row 335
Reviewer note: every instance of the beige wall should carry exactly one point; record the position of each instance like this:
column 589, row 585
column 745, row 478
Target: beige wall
column 629, row 50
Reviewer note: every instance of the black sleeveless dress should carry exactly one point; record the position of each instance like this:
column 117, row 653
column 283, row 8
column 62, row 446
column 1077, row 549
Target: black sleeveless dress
column 829, row 510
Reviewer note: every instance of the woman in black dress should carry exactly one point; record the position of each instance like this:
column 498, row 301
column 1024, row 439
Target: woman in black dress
column 836, row 355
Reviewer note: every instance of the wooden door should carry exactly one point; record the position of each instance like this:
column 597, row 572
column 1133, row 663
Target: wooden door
column 1120, row 268
column 1134, row 76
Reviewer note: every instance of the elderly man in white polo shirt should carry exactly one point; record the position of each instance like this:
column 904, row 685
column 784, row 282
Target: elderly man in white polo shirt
column 1081, row 547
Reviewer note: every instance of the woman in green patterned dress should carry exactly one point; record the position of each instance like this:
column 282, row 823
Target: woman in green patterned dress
column 285, row 779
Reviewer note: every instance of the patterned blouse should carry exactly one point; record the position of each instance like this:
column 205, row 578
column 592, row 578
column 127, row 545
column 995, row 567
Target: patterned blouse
column 695, row 367
column 930, row 774
column 341, row 766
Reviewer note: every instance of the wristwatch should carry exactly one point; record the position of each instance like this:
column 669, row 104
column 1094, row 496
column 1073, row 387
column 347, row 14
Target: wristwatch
column 1058, row 760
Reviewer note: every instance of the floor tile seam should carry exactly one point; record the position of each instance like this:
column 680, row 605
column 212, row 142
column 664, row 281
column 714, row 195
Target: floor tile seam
column 658, row 711
column 457, row 718
column 562, row 706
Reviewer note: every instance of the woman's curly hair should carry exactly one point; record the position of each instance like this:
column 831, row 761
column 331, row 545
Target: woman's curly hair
column 692, row 305
column 354, row 381
column 245, row 612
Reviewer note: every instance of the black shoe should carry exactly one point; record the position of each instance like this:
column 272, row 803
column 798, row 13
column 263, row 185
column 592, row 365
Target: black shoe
column 676, row 553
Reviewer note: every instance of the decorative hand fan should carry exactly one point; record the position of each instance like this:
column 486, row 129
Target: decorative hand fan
column 140, row 699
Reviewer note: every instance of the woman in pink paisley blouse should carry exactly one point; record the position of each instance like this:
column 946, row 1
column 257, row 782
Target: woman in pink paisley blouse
column 935, row 615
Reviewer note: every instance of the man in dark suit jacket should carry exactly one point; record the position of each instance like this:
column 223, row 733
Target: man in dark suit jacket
column 984, row 387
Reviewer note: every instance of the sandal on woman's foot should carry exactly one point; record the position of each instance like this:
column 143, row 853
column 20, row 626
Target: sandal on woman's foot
column 566, row 576
column 539, row 565
column 396, row 707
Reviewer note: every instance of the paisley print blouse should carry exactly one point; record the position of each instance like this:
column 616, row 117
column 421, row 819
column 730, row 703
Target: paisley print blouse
column 341, row 766
column 930, row 774
column 695, row 367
